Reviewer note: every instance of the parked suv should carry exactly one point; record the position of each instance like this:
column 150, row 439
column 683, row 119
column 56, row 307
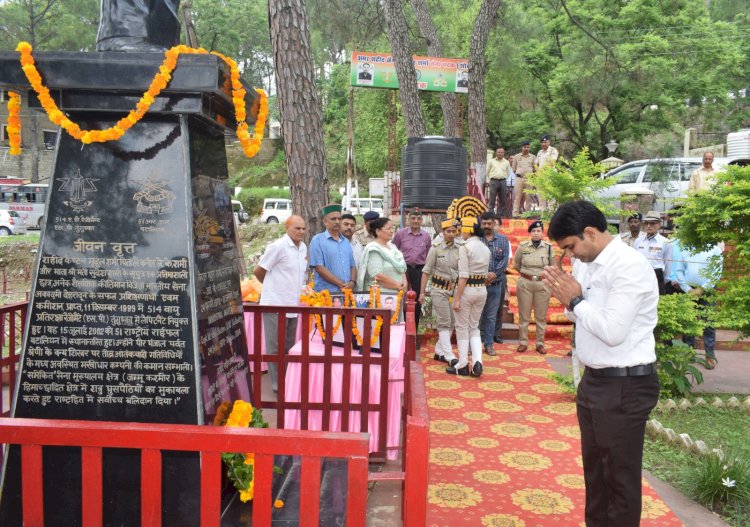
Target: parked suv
column 276, row 210
column 240, row 214
column 359, row 206
column 11, row 223
column 668, row 178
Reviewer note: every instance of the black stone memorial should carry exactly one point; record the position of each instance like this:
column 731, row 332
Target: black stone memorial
column 135, row 311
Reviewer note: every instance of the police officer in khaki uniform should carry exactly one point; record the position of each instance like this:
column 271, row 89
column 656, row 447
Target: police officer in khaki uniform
column 441, row 270
column 471, row 295
column 530, row 260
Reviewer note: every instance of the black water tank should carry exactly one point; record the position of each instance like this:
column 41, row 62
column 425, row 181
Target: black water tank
column 434, row 172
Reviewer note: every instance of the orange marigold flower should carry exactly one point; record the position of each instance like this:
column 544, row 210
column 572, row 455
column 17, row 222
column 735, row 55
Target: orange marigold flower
column 278, row 504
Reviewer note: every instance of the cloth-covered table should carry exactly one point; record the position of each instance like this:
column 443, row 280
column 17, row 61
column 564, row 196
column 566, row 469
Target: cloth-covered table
column 293, row 388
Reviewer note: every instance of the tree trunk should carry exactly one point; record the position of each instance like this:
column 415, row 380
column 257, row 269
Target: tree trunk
column 435, row 49
column 398, row 36
column 300, row 110
column 477, row 66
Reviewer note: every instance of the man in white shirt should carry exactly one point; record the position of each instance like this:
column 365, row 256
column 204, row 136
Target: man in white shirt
column 282, row 270
column 614, row 307
column 656, row 248
column 348, row 226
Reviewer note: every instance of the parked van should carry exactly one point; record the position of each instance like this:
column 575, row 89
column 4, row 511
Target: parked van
column 276, row 210
column 240, row 214
column 359, row 206
column 668, row 178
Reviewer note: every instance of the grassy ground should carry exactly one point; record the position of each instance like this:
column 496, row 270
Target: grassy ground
column 728, row 429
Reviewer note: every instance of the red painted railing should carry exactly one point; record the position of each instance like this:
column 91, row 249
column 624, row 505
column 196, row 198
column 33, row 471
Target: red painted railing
column 12, row 322
column 210, row 442
column 416, row 452
column 415, row 445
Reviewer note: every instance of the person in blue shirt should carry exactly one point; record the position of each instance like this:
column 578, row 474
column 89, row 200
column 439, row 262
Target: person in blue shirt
column 495, row 280
column 695, row 275
column 331, row 255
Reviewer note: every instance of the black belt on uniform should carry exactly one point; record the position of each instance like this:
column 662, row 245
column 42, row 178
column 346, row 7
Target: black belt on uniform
column 476, row 280
column 442, row 283
column 629, row 371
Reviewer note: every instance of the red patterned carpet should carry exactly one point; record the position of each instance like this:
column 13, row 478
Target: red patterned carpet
column 505, row 448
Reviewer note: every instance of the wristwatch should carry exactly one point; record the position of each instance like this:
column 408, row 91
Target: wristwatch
column 574, row 302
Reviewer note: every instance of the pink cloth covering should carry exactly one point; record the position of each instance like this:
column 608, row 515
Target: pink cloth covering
column 293, row 419
column 249, row 332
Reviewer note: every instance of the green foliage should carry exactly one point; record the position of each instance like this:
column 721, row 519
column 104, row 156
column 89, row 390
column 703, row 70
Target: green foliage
column 724, row 428
column 624, row 71
column 570, row 180
column 723, row 215
column 566, row 382
column 721, row 484
column 49, row 25
column 238, row 29
column 253, row 173
column 678, row 315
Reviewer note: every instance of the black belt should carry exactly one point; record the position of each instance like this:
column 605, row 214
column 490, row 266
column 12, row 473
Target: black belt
column 414, row 266
column 442, row 283
column 629, row 371
column 476, row 280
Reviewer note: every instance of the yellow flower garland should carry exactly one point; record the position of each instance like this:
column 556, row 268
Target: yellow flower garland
column 250, row 145
column 375, row 302
column 14, row 122
column 323, row 299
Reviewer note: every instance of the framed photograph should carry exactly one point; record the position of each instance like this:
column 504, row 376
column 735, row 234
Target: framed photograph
column 362, row 298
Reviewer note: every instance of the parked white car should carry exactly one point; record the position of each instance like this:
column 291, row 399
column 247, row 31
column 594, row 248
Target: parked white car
column 276, row 210
column 667, row 178
column 11, row 223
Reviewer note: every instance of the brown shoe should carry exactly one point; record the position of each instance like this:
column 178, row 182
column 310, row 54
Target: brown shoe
column 710, row 363
column 489, row 351
column 521, row 348
column 540, row 349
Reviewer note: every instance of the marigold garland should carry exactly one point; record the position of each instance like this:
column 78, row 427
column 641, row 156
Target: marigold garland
column 14, row 122
column 250, row 145
column 323, row 299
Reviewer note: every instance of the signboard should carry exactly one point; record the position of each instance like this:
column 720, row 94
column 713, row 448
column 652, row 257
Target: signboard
column 378, row 70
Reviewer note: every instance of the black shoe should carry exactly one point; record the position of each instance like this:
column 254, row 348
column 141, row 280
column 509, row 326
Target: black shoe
column 569, row 354
column 460, row 371
column 499, row 340
column 453, row 362
column 476, row 371
column 440, row 358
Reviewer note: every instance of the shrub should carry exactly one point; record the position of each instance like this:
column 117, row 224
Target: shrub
column 721, row 484
column 678, row 315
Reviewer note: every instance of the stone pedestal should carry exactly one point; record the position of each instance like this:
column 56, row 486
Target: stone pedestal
column 135, row 312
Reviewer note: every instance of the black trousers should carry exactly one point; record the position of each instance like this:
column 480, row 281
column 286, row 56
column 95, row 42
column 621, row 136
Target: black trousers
column 660, row 279
column 612, row 414
column 414, row 276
